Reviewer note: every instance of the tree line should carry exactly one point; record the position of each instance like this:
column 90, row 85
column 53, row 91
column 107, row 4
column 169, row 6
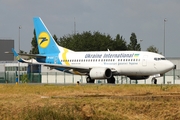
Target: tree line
column 94, row 41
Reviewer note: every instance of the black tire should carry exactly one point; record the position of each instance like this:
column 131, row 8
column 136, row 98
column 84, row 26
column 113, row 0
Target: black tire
column 155, row 81
column 89, row 80
column 92, row 80
column 111, row 80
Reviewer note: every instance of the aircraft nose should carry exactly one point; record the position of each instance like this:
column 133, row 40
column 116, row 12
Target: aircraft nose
column 170, row 65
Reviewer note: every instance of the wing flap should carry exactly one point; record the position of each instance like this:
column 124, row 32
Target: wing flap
column 76, row 68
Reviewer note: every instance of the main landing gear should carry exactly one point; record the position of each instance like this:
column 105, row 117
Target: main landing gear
column 154, row 80
column 89, row 80
column 111, row 80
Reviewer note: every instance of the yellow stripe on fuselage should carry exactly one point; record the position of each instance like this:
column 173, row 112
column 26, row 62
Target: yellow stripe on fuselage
column 64, row 56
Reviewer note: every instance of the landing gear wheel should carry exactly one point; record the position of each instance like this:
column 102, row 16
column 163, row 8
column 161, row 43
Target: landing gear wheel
column 89, row 80
column 154, row 80
column 111, row 80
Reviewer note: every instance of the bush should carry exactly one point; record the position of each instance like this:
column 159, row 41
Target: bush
column 24, row 78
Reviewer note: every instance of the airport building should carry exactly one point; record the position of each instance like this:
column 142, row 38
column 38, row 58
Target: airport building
column 6, row 45
column 35, row 74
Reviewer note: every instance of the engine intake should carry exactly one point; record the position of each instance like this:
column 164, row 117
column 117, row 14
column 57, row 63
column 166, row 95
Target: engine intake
column 100, row 73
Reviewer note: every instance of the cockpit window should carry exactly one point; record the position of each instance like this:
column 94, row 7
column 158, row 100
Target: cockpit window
column 159, row 59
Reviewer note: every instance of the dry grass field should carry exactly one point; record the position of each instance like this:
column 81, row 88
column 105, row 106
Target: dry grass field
column 89, row 102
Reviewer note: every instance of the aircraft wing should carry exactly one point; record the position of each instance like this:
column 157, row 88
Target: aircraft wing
column 82, row 69
column 71, row 68
column 67, row 68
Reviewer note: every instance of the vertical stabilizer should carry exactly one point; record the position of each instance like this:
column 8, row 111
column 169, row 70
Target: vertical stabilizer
column 46, row 43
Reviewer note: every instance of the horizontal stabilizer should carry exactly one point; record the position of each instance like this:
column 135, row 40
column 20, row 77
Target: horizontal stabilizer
column 17, row 56
column 33, row 55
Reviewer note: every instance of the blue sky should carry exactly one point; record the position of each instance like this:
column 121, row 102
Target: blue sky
column 143, row 17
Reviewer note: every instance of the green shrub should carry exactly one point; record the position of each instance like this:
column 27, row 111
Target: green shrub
column 24, row 78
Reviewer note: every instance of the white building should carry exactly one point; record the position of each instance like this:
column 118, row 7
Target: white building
column 9, row 70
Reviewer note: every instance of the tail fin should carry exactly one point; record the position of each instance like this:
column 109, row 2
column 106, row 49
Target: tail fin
column 46, row 43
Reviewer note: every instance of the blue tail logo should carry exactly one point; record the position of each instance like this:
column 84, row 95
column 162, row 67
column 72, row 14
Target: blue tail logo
column 43, row 39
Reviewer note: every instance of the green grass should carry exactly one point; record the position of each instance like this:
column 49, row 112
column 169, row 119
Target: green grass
column 89, row 102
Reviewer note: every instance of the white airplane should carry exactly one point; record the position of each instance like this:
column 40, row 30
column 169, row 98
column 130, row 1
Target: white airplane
column 136, row 65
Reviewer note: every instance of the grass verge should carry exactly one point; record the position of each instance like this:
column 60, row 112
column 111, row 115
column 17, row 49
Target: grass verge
column 89, row 102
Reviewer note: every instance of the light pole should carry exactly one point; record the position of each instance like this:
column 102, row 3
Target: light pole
column 164, row 35
column 19, row 52
column 164, row 46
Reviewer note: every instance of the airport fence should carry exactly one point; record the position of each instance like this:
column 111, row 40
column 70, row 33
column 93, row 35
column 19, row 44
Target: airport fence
column 172, row 77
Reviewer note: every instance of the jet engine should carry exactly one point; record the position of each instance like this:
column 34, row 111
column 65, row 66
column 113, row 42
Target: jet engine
column 100, row 73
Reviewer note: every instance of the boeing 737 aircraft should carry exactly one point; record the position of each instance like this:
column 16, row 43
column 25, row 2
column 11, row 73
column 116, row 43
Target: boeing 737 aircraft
column 136, row 65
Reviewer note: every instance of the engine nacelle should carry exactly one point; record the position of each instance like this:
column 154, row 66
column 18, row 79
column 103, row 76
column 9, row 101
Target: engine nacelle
column 138, row 77
column 100, row 73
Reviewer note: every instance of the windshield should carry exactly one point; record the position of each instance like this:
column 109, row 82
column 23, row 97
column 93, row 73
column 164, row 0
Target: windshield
column 159, row 59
